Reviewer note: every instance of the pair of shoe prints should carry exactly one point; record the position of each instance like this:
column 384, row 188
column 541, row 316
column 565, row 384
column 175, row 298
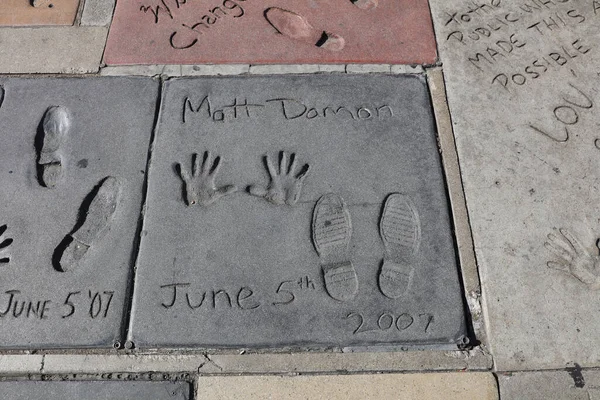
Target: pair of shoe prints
column 242, row 246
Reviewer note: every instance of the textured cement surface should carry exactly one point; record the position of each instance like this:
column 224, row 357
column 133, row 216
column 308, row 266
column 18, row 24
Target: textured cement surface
column 86, row 390
column 569, row 384
column 44, row 50
column 170, row 32
column 111, row 122
column 97, row 12
column 523, row 89
column 243, row 271
column 452, row 386
column 22, row 12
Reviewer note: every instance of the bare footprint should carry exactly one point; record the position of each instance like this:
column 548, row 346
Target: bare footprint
column 42, row 3
column 94, row 223
column 55, row 127
column 365, row 4
column 295, row 26
column 331, row 234
column 400, row 232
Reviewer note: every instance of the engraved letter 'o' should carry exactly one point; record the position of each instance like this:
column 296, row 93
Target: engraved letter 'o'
column 180, row 47
column 364, row 110
column 568, row 117
column 521, row 81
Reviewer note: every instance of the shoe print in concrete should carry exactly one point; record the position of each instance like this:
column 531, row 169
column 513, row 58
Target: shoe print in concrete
column 38, row 12
column 86, row 216
column 55, row 127
column 96, row 213
column 287, row 262
column 331, row 235
column 273, row 32
column 400, row 231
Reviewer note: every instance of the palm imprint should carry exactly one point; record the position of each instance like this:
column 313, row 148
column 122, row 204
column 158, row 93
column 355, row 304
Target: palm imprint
column 286, row 184
column 574, row 258
column 199, row 187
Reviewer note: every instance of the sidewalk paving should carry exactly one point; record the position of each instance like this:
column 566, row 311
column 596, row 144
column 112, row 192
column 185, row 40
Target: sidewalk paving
column 513, row 88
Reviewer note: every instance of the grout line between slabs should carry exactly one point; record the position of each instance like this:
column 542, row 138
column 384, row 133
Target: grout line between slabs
column 126, row 333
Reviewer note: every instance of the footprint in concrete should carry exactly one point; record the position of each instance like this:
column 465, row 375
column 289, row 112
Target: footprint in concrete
column 365, row 4
column 4, row 246
column 331, row 234
column 42, row 3
column 95, row 216
column 400, row 231
column 55, row 126
column 295, row 26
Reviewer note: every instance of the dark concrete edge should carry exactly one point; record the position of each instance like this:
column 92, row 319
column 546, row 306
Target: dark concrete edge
column 460, row 215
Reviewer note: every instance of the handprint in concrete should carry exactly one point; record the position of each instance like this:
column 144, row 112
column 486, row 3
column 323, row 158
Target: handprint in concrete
column 574, row 259
column 199, row 186
column 286, row 184
column 4, row 246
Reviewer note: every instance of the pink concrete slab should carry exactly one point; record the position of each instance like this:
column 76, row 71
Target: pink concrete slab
column 47, row 12
column 239, row 31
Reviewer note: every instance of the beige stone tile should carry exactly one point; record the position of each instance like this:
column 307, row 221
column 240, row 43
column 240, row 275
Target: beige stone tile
column 446, row 386
column 22, row 12
column 51, row 50
column 569, row 384
column 523, row 89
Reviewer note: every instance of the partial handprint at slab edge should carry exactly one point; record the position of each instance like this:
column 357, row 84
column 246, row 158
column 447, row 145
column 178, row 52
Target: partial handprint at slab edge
column 574, row 259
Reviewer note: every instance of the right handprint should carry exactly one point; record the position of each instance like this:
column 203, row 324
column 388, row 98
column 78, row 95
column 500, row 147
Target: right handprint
column 574, row 259
column 286, row 184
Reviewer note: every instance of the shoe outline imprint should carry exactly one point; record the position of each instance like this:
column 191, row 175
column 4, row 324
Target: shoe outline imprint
column 55, row 127
column 331, row 235
column 400, row 232
column 95, row 217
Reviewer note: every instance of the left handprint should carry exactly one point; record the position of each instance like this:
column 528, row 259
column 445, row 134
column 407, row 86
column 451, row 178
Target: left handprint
column 199, row 186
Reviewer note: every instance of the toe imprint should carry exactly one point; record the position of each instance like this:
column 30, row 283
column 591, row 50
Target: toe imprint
column 365, row 4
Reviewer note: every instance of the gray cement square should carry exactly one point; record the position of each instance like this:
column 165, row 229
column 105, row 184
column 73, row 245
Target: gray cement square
column 95, row 390
column 302, row 211
column 72, row 174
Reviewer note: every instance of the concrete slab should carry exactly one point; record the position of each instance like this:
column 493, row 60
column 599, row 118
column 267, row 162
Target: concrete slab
column 36, row 12
column 228, row 261
column 72, row 174
column 84, row 390
column 523, row 87
column 451, row 386
column 570, row 384
column 51, row 50
column 97, row 12
column 227, row 31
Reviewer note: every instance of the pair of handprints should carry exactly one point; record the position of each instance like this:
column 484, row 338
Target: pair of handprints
column 285, row 185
